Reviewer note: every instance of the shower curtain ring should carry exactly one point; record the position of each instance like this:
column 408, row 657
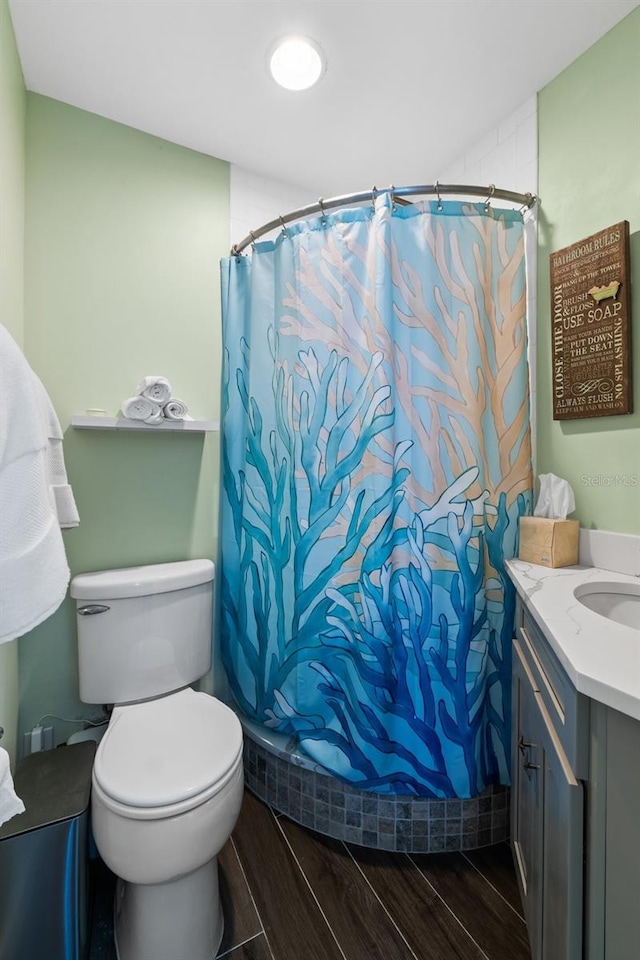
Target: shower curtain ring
column 437, row 189
column 285, row 232
column 322, row 211
column 374, row 194
column 530, row 199
column 393, row 199
column 487, row 203
column 253, row 239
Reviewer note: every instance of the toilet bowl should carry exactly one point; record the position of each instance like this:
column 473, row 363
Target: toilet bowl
column 167, row 789
column 167, row 779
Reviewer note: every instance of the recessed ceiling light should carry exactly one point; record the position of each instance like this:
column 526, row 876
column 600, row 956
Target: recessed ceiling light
column 296, row 63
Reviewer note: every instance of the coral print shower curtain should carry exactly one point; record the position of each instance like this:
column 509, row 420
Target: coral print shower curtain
column 376, row 457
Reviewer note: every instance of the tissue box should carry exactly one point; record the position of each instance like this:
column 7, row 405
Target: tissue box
column 551, row 543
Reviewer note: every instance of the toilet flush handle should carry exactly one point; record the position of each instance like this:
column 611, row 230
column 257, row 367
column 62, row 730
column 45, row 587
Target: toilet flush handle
column 91, row 609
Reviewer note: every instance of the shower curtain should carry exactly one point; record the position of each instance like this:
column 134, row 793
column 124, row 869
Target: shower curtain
column 376, row 457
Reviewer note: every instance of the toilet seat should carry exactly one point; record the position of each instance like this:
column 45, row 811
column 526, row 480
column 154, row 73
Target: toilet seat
column 174, row 809
column 166, row 756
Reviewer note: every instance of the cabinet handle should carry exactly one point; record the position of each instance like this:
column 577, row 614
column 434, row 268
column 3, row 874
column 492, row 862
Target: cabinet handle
column 553, row 696
column 532, row 766
column 523, row 745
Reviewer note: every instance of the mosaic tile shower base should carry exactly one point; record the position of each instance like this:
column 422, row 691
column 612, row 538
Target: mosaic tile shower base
column 317, row 800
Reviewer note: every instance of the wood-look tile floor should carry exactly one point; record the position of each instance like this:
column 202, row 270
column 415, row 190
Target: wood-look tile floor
column 291, row 894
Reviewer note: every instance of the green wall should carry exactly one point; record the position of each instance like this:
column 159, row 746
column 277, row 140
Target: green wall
column 13, row 101
column 589, row 178
column 12, row 159
column 124, row 233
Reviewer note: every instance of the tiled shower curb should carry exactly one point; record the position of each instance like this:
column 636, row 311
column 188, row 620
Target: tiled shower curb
column 309, row 795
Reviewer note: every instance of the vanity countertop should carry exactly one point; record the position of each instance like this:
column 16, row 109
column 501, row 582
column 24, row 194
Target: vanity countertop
column 601, row 657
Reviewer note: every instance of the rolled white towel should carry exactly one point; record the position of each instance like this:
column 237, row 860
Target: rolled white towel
column 10, row 802
column 175, row 410
column 141, row 408
column 155, row 388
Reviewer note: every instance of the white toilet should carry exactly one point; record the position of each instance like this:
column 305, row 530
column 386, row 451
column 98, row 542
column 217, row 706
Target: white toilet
column 167, row 778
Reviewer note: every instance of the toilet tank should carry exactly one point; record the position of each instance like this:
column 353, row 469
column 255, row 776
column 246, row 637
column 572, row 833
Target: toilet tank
column 143, row 631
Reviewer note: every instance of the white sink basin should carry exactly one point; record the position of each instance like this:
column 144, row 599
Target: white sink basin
column 615, row 601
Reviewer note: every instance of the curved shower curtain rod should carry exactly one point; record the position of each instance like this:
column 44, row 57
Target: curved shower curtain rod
column 526, row 200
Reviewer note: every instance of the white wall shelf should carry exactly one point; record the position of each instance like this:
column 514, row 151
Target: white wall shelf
column 121, row 423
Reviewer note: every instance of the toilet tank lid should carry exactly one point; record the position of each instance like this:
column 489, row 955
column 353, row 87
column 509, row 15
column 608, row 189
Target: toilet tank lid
column 141, row 581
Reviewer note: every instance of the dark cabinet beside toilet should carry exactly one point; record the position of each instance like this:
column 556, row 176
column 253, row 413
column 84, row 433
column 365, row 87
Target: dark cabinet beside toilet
column 43, row 858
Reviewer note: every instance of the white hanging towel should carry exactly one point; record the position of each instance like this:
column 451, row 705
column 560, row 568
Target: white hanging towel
column 61, row 494
column 154, row 388
column 10, row 802
column 34, row 574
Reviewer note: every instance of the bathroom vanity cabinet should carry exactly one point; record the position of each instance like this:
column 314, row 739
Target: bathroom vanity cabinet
column 550, row 723
column 574, row 803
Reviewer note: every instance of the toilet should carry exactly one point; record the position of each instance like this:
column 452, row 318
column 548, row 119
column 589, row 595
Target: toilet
column 167, row 778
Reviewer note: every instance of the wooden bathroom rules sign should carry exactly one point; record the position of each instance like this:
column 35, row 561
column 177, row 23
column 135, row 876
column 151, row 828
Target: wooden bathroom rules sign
column 591, row 326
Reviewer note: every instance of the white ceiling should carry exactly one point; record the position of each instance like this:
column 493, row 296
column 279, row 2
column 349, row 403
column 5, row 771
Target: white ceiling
column 409, row 85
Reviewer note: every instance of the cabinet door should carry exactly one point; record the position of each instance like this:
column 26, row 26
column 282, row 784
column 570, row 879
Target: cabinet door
column 526, row 799
column 547, row 824
column 563, row 844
